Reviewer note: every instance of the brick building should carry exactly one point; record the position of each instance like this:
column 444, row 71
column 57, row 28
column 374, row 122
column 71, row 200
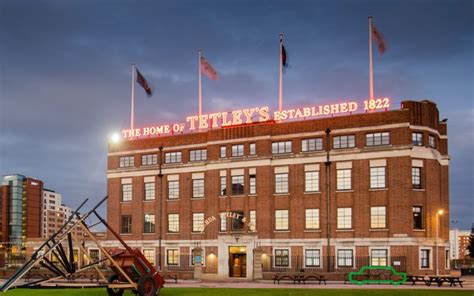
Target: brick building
column 20, row 199
column 55, row 213
column 329, row 194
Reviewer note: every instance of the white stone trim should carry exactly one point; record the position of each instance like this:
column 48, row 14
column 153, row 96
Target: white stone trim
column 197, row 176
column 252, row 171
column 282, row 169
column 379, row 247
column 378, row 163
column 237, row 172
column 344, row 246
column 289, row 256
column 126, row 181
column 311, row 167
column 417, row 163
column 222, row 173
column 344, row 165
column 173, row 177
column 149, row 179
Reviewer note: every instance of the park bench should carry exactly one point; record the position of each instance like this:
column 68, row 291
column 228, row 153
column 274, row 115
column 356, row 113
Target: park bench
column 306, row 277
column 292, row 276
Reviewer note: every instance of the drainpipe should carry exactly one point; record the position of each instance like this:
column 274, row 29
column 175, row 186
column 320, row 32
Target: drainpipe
column 160, row 231
column 328, row 195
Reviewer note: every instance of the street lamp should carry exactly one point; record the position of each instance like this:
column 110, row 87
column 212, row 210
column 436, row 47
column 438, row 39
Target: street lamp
column 438, row 214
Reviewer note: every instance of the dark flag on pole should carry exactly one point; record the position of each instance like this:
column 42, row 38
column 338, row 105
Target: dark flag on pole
column 142, row 81
column 379, row 39
column 284, row 59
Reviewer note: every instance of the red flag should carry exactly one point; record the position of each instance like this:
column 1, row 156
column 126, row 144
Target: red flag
column 379, row 39
column 207, row 69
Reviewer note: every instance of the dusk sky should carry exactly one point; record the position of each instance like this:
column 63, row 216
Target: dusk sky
column 65, row 74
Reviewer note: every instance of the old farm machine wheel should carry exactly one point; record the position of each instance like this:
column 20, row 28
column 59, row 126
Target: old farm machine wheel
column 148, row 285
column 114, row 291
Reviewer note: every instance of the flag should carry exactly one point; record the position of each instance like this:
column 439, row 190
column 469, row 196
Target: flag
column 379, row 39
column 207, row 69
column 142, row 81
column 284, row 58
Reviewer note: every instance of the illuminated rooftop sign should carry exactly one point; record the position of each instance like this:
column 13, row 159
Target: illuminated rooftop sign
column 253, row 115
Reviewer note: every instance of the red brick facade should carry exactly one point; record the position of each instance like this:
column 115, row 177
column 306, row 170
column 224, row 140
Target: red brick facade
column 398, row 195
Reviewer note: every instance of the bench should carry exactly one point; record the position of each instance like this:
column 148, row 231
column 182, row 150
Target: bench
column 440, row 280
column 308, row 277
column 170, row 275
column 292, row 276
column 417, row 279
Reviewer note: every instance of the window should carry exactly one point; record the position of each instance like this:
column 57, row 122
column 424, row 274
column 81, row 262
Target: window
column 312, row 144
column 238, row 150
column 340, row 142
column 446, row 259
column 344, row 179
column 312, row 218
column 149, row 223
column 223, row 226
column 126, row 192
column 281, row 183
column 312, row 258
column 149, row 159
column 281, row 147
column 150, row 191
column 198, row 222
column 252, row 149
column 378, row 217
column 417, row 139
column 223, row 186
column 253, row 221
column 311, row 183
column 281, row 220
column 237, row 185
column 416, row 177
column 237, row 221
column 172, row 257
column 198, row 188
column 417, row 218
column 431, row 142
column 377, row 177
column 127, row 161
column 377, row 139
column 94, row 255
column 223, row 152
column 198, row 155
column 173, row 222
column 425, row 258
column 126, row 224
column 344, row 258
column 378, row 257
column 282, row 258
column 173, row 189
column 173, row 157
column 253, row 184
column 149, row 255
column 344, row 218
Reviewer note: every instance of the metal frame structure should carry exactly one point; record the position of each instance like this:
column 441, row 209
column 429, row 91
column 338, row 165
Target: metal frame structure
column 131, row 269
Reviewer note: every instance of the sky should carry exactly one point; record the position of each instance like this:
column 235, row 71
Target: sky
column 65, row 73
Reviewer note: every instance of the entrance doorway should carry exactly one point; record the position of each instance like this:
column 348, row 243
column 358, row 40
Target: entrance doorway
column 237, row 261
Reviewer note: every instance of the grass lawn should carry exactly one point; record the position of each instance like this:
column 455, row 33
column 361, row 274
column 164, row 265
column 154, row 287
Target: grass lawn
column 246, row 292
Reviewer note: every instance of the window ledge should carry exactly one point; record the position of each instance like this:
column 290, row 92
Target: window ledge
column 281, row 194
column 281, row 231
column 378, row 229
column 378, row 189
column 311, row 192
column 342, row 191
column 125, row 202
column 312, row 230
column 172, row 233
column 148, row 233
column 419, row 230
column 172, row 199
column 198, row 198
column 149, row 200
column 222, row 196
column 197, row 232
column 344, row 230
column 125, row 234
column 240, row 195
column 418, row 189
column 222, row 232
column 252, row 195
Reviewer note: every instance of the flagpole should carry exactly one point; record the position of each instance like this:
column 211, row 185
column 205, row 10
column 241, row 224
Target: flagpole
column 371, row 74
column 280, row 90
column 133, row 97
column 200, row 85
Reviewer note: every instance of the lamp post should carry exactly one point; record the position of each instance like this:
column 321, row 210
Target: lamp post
column 438, row 214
